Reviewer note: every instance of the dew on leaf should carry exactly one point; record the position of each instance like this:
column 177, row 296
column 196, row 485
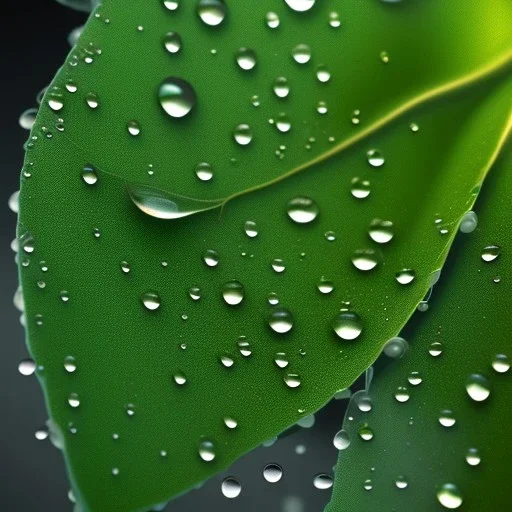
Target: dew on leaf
column 92, row 100
column 281, row 87
column 172, row 42
column 133, row 128
column 469, row 222
column 325, row 286
column 212, row 12
column 323, row 74
column 244, row 347
column 347, row 325
column 233, row 292
column 435, row 349
column 28, row 118
column 230, row 422
column 251, row 229
column 395, row 348
column 180, row 379
column 74, row 400
column 402, row 394
column 501, row 363
column 278, row 265
column 206, row 449
column 490, row 253
column 365, row 432
column 360, row 188
column 171, row 5
column 70, row 364
column 401, row 482
column 204, row 171
column 292, row 380
column 365, row 259
column 243, row 134
column 272, row 20
column 302, row 210
column 211, row 258
column 447, row 418
column 176, row 96
column 375, row 158
column 281, row 360
column 280, row 320
column 381, row 231
column 89, row 175
column 151, row 300
column 473, row 457
column 449, row 496
column 301, row 54
column 405, row 276
column 415, row 379
column 226, row 360
column 478, row 387
column 334, row 20
column 246, row 59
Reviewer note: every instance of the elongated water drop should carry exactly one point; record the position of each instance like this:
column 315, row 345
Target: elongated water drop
column 176, row 96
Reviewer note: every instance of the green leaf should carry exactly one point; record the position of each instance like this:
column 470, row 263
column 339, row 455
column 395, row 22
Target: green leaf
column 142, row 304
column 466, row 464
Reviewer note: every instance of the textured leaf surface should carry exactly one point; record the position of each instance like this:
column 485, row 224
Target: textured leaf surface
column 130, row 359
column 469, row 317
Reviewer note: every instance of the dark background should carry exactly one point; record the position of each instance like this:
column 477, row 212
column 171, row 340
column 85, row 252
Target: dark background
column 34, row 43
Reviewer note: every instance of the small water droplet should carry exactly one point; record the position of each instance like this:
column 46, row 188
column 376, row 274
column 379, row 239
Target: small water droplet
column 301, row 53
column 281, row 360
column 405, row 276
column 323, row 74
column 365, row 432
column 447, row 418
column 272, row 473
column 280, row 320
column 321, row 107
column 73, row 400
column 172, row 42
column 246, row 59
column 322, row 481
column 89, row 175
column 226, row 360
column 365, row 259
column 233, row 292
column 211, row 258
column 28, row 118
column 180, row 378
column 250, row 228
column 435, row 349
column 133, row 128
column 92, row 100
column 172, row 5
column 125, row 267
column 478, row 387
column 55, row 101
column 244, row 347
column 469, row 222
column 415, row 379
column 334, row 20
column 347, row 325
column 230, row 422
column 292, row 380
column 375, row 158
column 473, row 457
column 231, row 487
column 381, row 231
column 70, row 364
column 360, row 188
column 414, row 127
column 368, row 485
column 401, row 482
column 325, row 286
column 402, row 394
column 151, row 300
column 243, row 134
column 490, row 253
column 212, row 12
column 272, row 20
column 278, row 265
column 341, row 440
column 206, row 449
column 501, row 363
column 204, row 171
column 449, row 496
column 302, row 210
column 176, row 96
column 281, row 87
column 384, row 57
column 27, row 367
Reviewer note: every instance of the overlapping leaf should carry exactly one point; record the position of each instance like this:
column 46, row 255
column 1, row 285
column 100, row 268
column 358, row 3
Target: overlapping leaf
column 133, row 430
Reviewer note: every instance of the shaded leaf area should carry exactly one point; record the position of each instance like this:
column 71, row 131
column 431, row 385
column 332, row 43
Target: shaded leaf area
column 176, row 328
column 440, row 414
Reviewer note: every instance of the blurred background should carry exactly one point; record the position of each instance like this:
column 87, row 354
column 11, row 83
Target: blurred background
column 35, row 42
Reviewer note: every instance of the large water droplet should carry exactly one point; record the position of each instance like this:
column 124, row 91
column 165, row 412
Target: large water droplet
column 206, row 449
column 365, row 259
column 405, row 276
column 478, row 387
column 242, row 134
column 347, row 325
column 301, row 53
column 89, row 175
column 281, row 87
column 172, row 42
column 212, row 12
column 341, row 440
column 246, row 58
column 300, row 5
column 272, row 473
column 231, row 487
column 302, row 210
column 322, row 481
column 501, row 363
column 27, row 367
column 292, row 380
column 360, row 188
column 280, row 320
column 151, row 300
column 162, row 205
column 172, row 5
column 381, row 231
column 375, row 158
column 449, row 496
column 395, row 348
column 233, row 292
column 176, row 96
column 491, row 252
column 447, row 418
column 468, row 223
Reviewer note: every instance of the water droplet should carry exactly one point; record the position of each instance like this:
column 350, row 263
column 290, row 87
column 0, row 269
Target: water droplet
column 473, row 457
column 172, row 42
column 125, row 267
column 242, row 134
column 341, row 440
column 231, row 487
column 89, row 175
column 323, row 74
column 92, row 100
column 194, row 292
column 447, row 418
column 70, row 364
column 501, row 363
column 490, row 253
column 321, row 107
column 231, row 423
column 334, row 20
column 292, row 380
column 211, row 258
column 278, row 265
column 226, row 360
column 133, row 128
column 449, row 496
column 347, row 325
column 244, row 347
column 180, row 378
column 281, row 360
column 212, row 12
column 365, row 432
column 73, row 400
column 381, row 231
column 325, row 286
column 301, row 53
column 283, row 123
column 469, row 222
column 250, row 228
column 163, row 205
column 401, row 482
column 272, row 473
column 405, row 276
column 365, row 259
column 478, row 387
column 233, row 292
column 27, row 367
column 204, row 171
column 151, row 300
column 55, row 101
column 402, row 394
column 395, row 348
column 246, row 59
column 384, row 57
column 368, row 485
column 375, row 158
column 415, row 379
column 280, row 320
column 28, row 118
column 435, row 349
column 414, row 127
column 206, row 449
column 172, row 5
column 281, row 88
column 272, row 20
column 115, row 471
column 360, row 188
column 322, row 481
column 302, row 210
column 176, row 96
column 41, row 434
